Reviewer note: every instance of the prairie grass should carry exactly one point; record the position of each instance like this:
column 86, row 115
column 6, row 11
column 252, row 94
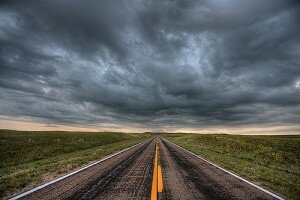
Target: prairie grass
column 270, row 161
column 30, row 158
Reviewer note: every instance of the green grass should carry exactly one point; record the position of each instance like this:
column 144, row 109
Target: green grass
column 29, row 158
column 269, row 161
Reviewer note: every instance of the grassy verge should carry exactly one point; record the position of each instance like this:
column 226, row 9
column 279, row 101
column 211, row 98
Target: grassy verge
column 269, row 161
column 30, row 158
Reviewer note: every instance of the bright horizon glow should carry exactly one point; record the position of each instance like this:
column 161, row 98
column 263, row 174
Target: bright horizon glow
column 20, row 125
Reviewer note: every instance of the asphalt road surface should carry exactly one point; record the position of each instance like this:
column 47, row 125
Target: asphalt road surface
column 129, row 175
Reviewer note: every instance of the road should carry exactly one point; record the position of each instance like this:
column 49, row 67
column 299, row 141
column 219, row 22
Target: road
column 129, row 175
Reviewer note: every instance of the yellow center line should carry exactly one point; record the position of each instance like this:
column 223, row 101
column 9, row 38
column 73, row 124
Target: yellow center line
column 157, row 181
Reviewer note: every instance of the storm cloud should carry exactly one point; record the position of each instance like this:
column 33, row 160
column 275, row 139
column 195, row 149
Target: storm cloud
column 151, row 64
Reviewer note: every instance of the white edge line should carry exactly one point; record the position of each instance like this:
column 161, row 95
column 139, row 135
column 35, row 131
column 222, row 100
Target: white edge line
column 254, row 185
column 72, row 173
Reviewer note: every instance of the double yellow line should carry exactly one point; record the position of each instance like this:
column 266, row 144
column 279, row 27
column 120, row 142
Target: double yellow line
column 157, row 181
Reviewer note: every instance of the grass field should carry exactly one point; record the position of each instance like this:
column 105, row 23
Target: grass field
column 269, row 161
column 29, row 158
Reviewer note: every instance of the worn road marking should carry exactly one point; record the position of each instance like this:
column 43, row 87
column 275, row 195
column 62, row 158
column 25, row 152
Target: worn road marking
column 160, row 180
column 157, row 181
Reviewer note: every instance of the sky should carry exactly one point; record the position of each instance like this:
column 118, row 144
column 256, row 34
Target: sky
column 143, row 65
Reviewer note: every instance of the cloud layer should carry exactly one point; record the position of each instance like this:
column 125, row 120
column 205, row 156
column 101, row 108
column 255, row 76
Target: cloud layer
column 151, row 64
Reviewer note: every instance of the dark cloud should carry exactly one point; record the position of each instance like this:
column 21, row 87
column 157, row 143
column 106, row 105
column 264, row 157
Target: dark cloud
column 159, row 64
